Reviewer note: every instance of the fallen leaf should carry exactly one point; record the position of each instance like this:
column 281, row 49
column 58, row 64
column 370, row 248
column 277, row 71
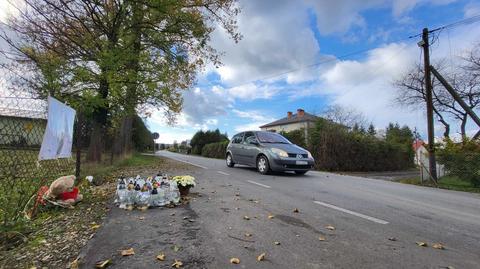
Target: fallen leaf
column 271, row 216
column 438, row 246
column 235, row 260
column 261, row 257
column 141, row 218
column 128, row 252
column 161, row 257
column 237, row 208
column 177, row 264
column 246, row 217
column 237, row 194
column 248, row 234
column 330, row 227
column 422, row 244
column 296, row 210
column 321, row 238
column 102, row 264
column 276, row 243
column 176, row 248
column 392, row 239
column 74, row 264
column 95, row 226
column 173, row 214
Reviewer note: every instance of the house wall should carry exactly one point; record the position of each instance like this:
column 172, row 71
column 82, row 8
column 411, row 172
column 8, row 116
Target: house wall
column 422, row 161
column 286, row 127
column 21, row 130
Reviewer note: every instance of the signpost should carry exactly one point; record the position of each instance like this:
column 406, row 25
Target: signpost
column 155, row 136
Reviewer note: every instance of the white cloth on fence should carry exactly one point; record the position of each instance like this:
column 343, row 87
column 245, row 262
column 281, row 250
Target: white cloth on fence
column 58, row 137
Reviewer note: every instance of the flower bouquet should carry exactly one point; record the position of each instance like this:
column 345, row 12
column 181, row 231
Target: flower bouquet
column 184, row 184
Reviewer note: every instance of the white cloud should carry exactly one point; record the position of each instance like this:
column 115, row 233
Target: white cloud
column 471, row 9
column 256, row 118
column 277, row 38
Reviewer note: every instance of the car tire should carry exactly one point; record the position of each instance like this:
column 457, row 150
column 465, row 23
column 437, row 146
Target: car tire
column 300, row 172
column 229, row 160
column 263, row 166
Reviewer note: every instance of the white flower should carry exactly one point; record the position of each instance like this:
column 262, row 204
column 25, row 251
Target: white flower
column 185, row 180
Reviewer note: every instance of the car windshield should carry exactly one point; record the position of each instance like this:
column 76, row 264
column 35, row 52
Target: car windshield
column 266, row 137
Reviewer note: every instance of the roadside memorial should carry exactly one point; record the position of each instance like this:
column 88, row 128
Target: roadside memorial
column 156, row 191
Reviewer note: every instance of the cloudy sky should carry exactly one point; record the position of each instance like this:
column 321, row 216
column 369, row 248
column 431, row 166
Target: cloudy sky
column 280, row 36
column 293, row 55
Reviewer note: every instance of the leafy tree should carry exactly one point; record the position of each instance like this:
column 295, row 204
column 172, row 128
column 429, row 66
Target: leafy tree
column 296, row 136
column 201, row 138
column 371, row 130
column 115, row 58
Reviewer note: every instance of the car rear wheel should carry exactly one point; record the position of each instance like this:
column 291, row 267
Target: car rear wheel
column 262, row 165
column 229, row 160
column 300, row 172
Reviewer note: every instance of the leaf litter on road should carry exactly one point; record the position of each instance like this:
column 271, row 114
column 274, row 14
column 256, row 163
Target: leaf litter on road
column 102, row 264
column 270, row 216
column 276, row 243
column 295, row 210
column 177, row 264
column 321, row 238
column 161, row 256
column 235, row 260
column 438, row 246
column 421, row 244
column 246, row 217
column 330, row 227
column 128, row 252
column 261, row 257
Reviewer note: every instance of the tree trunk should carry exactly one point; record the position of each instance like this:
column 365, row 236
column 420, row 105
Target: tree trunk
column 463, row 126
column 97, row 138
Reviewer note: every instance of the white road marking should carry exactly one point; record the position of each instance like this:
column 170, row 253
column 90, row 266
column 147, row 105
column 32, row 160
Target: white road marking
column 223, row 173
column 352, row 212
column 259, row 184
column 194, row 164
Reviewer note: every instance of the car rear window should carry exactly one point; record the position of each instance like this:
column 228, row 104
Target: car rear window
column 268, row 137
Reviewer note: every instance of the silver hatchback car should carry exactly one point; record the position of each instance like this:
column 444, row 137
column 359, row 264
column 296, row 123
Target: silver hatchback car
column 267, row 152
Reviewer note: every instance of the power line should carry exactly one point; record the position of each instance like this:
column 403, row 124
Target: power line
column 470, row 20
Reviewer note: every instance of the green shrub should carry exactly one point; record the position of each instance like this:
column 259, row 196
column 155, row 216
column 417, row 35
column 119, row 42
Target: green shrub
column 202, row 138
column 215, row 150
column 335, row 148
column 296, row 137
column 462, row 160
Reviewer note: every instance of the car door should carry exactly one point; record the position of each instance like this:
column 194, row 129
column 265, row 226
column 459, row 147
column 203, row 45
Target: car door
column 236, row 148
column 250, row 148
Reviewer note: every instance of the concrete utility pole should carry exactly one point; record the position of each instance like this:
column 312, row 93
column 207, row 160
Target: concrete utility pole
column 428, row 89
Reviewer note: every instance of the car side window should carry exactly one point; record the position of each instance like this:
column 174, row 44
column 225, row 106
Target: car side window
column 237, row 139
column 249, row 137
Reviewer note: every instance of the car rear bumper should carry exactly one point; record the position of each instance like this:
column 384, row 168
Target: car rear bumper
column 292, row 164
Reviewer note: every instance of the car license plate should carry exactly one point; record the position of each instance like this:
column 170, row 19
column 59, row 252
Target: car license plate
column 301, row 162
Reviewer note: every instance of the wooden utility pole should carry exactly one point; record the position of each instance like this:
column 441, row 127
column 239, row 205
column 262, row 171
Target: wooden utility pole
column 428, row 89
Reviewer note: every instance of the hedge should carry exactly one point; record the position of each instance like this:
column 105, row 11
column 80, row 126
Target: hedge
column 215, row 150
column 338, row 149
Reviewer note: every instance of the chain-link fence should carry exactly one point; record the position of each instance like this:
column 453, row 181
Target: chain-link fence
column 23, row 121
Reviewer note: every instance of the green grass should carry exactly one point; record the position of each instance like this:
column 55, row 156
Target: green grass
column 446, row 182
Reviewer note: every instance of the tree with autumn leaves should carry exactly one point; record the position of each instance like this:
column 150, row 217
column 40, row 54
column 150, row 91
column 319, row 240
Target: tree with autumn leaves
column 115, row 59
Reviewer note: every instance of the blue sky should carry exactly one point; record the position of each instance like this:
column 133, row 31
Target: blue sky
column 285, row 35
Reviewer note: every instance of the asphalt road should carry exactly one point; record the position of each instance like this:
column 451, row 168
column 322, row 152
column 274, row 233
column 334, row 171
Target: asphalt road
column 366, row 214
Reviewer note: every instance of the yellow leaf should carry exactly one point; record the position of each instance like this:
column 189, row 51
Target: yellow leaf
column 248, row 234
column 261, row 257
column 128, row 252
column 270, row 216
column 74, row 264
column 276, row 243
column 330, row 227
column 296, row 210
column 161, row 257
column 321, row 238
column 422, row 244
column 438, row 246
column 177, row 264
column 246, row 217
column 95, row 226
column 102, row 264
column 235, row 260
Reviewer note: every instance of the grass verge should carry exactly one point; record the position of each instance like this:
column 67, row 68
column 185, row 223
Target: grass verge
column 446, row 182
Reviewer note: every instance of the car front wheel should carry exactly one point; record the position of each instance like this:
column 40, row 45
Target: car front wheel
column 262, row 165
column 229, row 160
